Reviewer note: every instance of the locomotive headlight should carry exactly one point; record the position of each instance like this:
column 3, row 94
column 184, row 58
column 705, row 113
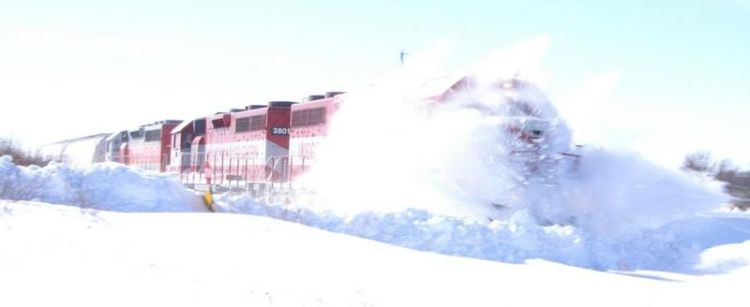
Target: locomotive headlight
column 534, row 129
column 508, row 84
column 524, row 133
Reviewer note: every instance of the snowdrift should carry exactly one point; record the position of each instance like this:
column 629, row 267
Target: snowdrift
column 674, row 243
column 106, row 186
column 90, row 258
column 676, row 246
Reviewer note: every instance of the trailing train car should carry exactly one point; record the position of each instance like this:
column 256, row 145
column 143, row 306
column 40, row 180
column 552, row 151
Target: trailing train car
column 309, row 127
column 79, row 151
column 188, row 144
column 248, row 147
column 146, row 147
column 114, row 145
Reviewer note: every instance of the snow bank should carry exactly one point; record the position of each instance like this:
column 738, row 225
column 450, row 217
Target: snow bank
column 107, row 186
column 675, row 246
column 90, row 258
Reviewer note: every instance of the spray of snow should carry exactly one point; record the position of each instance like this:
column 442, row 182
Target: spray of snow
column 390, row 149
column 107, row 186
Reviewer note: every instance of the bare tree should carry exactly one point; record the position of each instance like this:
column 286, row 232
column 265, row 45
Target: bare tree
column 726, row 171
column 22, row 157
column 699, row 161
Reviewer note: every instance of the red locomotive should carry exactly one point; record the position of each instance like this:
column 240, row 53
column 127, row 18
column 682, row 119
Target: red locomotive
column 188, row 146
column 248, row 147
column 146, row 147
column 270, row 145
column 309, row 127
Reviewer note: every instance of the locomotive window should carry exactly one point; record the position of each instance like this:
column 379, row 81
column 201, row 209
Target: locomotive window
column 153, row 135
column 252, row 123
column 257, row 122
column 243, row 124
column 199, row 126
column 309, row 117
column 218, row 123
column 299, row 118
column 317, row 116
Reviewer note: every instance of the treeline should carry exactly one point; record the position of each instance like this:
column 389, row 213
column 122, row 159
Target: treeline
column 737, row 181
column 21, row 156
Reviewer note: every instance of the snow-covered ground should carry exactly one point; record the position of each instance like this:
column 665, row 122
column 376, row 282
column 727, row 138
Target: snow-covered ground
column 676, row 246
column 67, row 256
column 292, row 256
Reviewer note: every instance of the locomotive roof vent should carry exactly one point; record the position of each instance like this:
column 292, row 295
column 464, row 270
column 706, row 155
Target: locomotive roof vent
column 333, row 94
column 315, row 97
column 281, row 104
column 236, row 110
column 163, row 122
column 255, row 106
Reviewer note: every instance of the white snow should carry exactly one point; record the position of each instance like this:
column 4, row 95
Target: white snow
column 675, row 246
column 60, row 255
column 385, row 155
column 108, row 186
column 67, row 255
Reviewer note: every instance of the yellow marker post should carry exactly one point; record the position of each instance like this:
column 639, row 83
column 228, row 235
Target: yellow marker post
column 209, row 200
column 208, row 197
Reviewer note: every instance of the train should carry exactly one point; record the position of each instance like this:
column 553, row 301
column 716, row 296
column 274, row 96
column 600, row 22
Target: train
column 269, row 146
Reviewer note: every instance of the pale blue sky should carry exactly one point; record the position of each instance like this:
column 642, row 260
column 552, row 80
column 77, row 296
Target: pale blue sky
column 671, row 76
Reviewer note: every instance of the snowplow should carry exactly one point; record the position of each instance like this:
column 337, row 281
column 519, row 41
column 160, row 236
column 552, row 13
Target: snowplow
column 531, row 134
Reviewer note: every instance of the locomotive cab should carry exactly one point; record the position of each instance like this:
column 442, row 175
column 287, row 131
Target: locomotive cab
column 112, row 145
column 531, row 133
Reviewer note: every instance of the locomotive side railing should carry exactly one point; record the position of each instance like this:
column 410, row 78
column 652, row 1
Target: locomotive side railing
column 226, row 170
